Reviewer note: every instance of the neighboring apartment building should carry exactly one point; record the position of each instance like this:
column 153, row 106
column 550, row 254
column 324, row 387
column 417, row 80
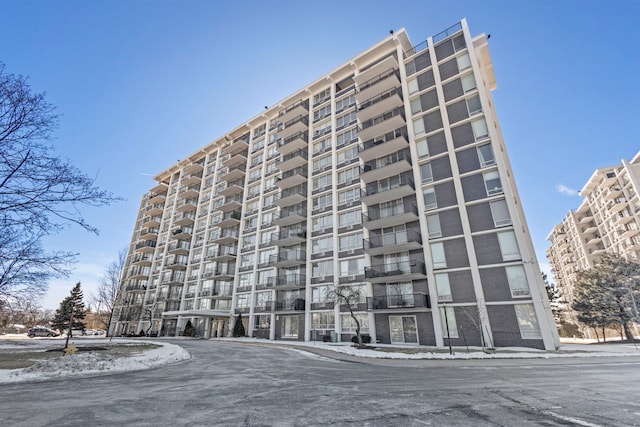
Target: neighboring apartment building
column 388, row 174
column 608, row 220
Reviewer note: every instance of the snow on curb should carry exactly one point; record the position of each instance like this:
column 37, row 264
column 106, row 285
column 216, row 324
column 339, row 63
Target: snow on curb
column 95, row 363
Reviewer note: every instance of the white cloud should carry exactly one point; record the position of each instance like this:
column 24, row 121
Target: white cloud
column 566, row 191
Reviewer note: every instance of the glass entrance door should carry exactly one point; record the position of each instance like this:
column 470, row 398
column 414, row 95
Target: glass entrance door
column 403, row 330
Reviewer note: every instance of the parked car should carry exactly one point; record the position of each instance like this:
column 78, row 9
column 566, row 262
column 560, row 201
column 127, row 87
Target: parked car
column 41, row 331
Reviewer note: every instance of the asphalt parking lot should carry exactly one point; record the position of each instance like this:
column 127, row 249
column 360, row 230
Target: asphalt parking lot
column 246, row 385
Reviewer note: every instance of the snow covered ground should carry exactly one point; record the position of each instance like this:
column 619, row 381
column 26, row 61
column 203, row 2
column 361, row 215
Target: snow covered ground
column 95, row 363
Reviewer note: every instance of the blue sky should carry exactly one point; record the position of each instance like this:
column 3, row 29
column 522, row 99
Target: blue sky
column 141, row 84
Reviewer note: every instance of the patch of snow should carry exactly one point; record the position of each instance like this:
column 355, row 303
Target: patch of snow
column 95, row 363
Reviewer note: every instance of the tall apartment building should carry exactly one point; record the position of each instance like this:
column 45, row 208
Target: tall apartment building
column 608, row 220
column 388, row 174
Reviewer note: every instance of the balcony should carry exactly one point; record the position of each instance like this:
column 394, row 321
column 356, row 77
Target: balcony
column 383, row 82
column 179, row 248
column 186, row 218
column 140, row 273
column 402, row 270
column 177, row 264
column 144, row 259
column 187, row 205
column 227, row 236
column 292, row 196
column 237, row 146
column 380, row 125
column 152, row 210
column 189, row 192
column 236, row 160
column 267, row 307
column 388, row 189
column 293, row 160
column 292, row 178
column 380, row 103
column 300, row 108
column 291, row 304
column 373, row 172
column 136, row 288
column 288, row 281
column 295, row 125
column 156, row 198
column 627, row 233
column 289, row 237
column 232, row 175
column 224, row 272
column 231, row 203
column 153, row 221
column 149, row 234
column 146, row 246
column 297, row 141
column 233, row 187
column 289, row 216
column 381, row 146
column 182, row 233
column 288, row 258
column 416, row 300
column 400, row 241
column 191, row 179
column 229, row 219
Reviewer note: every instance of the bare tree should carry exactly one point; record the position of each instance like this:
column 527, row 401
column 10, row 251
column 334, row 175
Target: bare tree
column 349, row 296
column 40, row 192
column 104, row 300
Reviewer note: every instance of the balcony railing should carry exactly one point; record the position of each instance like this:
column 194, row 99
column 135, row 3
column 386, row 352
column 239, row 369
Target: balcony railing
column 288, row 280
column 394, row 269
column 398, row 301
column 296, row 304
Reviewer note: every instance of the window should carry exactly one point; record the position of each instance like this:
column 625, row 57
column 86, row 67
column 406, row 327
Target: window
column 437, row 255
column 267, row 217
column 265, row 275
column 257, row 159
column 350, row 242
column 349, row 325
column 347, row 176
column 250, row 223
column 265, row 237
column 433, row 225
column 500, row 213
column 245, row 280
column 418, row 126
column 448, row 317
column 322, row 129
column 517, row 281
column 473, row 105
column 403, row 329
column 352, row 267
column 290, row 326
column 322, row 96
column 391, row 208
column 348, row 196
column 468, row 82
column 248, row 241
column 463, row 61
column 322, row 163
column 246, row 260
column 508, row 246
column 347, row 137
column 430, row 198
column 400, row 294
column 347, row 219
column 528, row 321
column 263, row 256
column 263, row 299
column 263, row 321
column 322, row 222
column 322, row 201
column 242, row 300
column 322, row 113
column 322, row 268
column 271, row 167
column 323, row 320
column 322, row 182
column 254, row 190
column 347, row 102
column 422, row 147
column 323, row 244
column 485, row 155
column 416, row 105
column 348, row 155
column 413, row 86
column 321, row 146
column 258, row 145
column 426, row 173
column 443, row 287
column 320, row 294
column 492, row 183
column 346, row 119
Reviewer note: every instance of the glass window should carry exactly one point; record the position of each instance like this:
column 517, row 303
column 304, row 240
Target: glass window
column 323, row 320
column 349, row 195
column 321, row 163
column 426, row 173
column 508, row 246
column 347, row 219
column 320, row 294
column 323, row 244
column 242, row 300
column 400, row 294
column 416, row 105
column 485, row 155
column 492, row 183
column 322, row 182
column 474, row 105
column 437, row 255
column 322, row 268
column 517, row 281
column 448, row 316
column 322, row 201
column 263, row 298
column 346, row 137
column 246, row 260
column 463, row 61
column 350, row 242
column 500, row 213
column 443, row 287
column 430, row 199
column 322, row 222
column 468, row 82
column 348, row 154
column 418, row 126
column 321, row 145
column 423, row 148
column 413, row 85
column 349, row 325
column 263, row 321
column 528, row 321
column 433, row 225
column 348, row 175
column 290, row 326
column 352, row 267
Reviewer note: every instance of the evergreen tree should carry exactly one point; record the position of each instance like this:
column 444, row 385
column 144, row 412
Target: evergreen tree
column 71, row 304
column 238, row 328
